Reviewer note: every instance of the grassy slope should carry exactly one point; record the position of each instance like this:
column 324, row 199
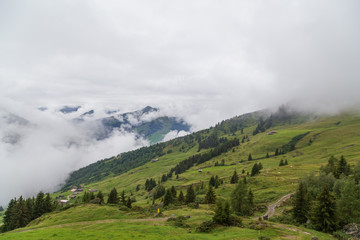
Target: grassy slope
column 329, row 138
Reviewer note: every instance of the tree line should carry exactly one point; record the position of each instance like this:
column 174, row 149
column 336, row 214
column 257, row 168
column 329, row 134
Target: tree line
column 331, row 200
column 21, row 211
column 203, row 157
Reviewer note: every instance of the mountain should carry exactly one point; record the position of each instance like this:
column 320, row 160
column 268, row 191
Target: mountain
column 305, row 142
column 145, row 122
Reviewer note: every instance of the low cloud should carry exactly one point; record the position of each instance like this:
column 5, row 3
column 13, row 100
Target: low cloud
column 48, row 149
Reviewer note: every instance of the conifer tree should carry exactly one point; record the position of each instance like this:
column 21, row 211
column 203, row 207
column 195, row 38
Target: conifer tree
column 210, row 196
column 281, row 163
column 100, row 196
column 190, row 195
column 173, row 192
column 113, row 197
column 250, row 198
column 250, row 157
column 22, row 216
column 235, row 178
column 128, row 203
column 260, row 166
column 8, row 218
column 243, row 171
column 212, row 181
column 30, row 207
column 348, row 205
column 168, row 198
column 239, row 201
column 245, row 180
column 286, row 162
column 222, row 213
column 255, row 170
column 342, row 168
column 39, row 205
column 323, row 216
column 267, row 155
column 123, row 197
column 181, row 198
column 301, row 204
column 48, row 206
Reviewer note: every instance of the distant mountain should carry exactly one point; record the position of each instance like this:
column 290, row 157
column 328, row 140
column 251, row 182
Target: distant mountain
column 67, row 109
column 146, row 123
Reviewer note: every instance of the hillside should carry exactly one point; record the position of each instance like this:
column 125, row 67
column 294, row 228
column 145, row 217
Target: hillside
column 307, row 142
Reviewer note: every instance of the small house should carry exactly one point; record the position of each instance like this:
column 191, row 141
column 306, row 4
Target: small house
column 93, row 190
column 155, row 160
column 271, row 132
column 200, row 170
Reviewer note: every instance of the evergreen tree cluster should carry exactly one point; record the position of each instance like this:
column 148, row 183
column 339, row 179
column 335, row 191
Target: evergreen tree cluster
column 21, row 211
column 245, row 138
column 234, row 178
column 283, row 163
column 242, row 199
column 210, row 142
column 256, row 169
column 150, row 184
column 215, row 181
column 325, row 202
column 201, row 158
column 114, row 165
column 337, row 167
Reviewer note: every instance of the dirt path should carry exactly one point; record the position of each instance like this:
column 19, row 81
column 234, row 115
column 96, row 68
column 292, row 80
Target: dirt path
column 271, row 208
column 96, row 222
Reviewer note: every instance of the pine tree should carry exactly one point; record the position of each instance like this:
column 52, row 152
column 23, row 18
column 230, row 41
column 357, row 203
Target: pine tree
column 30, row 207
column 348, row 205
column 218, row 216
column 190, row 195
column 100, row 196
column 276, row 152
column 222, row 213
column 243, row 171
column 342, row 168
column 245, row 180
column 212, row 181
column 22, row 216
column 301, row 204
column 323, row 216
column 286, row 162
column 9, row 216
column 173, row 192
column 239, row 201
column 113, row 197
column 267, row 155
column 181, row 198
column 48, row 206
column 168, row 198
column 235, row 178
column 281, row 163
column 255, row 170
column 128, row 203
column 123, row 197
column 250, row 157
column 210, row 196
column 39, row 205
column 250, row 198
column 260, row 166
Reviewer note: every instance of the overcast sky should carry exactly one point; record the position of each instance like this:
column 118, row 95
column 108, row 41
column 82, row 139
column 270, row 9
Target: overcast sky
column 203, row 60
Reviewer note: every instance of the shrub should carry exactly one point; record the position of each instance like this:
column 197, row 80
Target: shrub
column 206, row 226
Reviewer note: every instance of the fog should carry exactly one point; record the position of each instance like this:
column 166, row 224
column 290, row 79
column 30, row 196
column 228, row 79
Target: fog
column 204, row 61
